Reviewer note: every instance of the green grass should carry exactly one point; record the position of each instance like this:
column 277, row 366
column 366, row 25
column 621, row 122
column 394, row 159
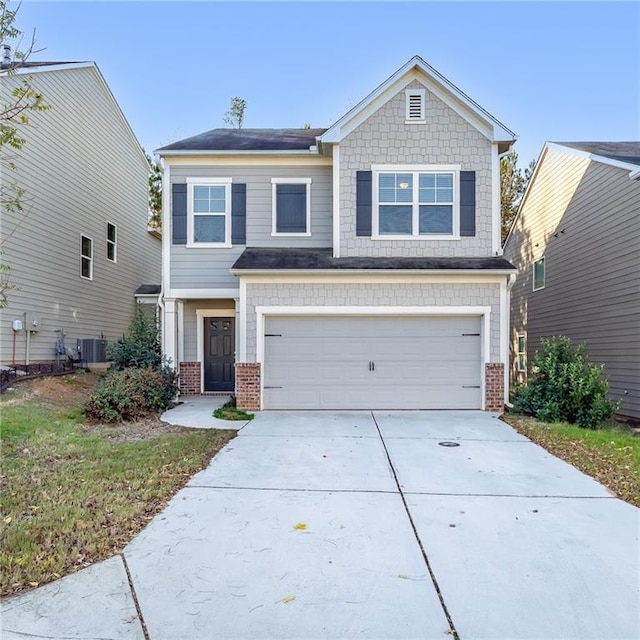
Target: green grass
column 610, row 454
column 73, row 495
column 229, row 411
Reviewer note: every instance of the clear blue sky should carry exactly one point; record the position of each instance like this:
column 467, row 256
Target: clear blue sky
column 547, row 70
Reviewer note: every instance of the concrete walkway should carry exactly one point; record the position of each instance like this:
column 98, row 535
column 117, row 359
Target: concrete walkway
column 369, row 525
column 197, row 412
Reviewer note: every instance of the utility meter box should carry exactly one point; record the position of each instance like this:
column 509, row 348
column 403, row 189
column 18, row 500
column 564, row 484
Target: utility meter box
column 17, row 324
column 31, row 322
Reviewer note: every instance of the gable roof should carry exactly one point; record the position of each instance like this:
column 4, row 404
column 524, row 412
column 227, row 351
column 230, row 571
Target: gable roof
column 624, row 155
column 248, row 140
column 627, row 152
column 417, row 68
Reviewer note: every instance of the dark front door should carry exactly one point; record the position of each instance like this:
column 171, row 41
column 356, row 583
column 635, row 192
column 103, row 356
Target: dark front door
column 219, row 354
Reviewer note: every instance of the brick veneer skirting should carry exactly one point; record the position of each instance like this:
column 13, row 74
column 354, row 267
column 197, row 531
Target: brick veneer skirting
column 494, row 386
column 248, row 385
column 190, row 378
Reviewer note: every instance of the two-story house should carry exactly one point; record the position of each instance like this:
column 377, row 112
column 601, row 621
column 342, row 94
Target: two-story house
column 354, row 267
column 80, row 247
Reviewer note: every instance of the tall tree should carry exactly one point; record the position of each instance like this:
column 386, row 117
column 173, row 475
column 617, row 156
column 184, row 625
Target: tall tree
column 235, row 116
column 155, row 194
column 19, row 100
column 513, row 183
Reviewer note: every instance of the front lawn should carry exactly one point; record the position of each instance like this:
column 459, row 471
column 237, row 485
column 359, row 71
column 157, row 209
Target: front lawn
column 611, row 454
column 73, row 494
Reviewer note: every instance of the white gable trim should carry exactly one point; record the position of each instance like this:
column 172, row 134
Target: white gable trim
column 418, row 69
column 620, row 164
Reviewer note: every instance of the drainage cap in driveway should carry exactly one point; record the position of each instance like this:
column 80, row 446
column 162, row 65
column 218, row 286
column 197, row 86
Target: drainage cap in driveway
column 449, row 444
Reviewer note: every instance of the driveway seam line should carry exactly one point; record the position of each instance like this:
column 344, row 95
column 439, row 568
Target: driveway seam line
column 508, row 495
column 415, row 533
column 202, row 486
column 134, row 595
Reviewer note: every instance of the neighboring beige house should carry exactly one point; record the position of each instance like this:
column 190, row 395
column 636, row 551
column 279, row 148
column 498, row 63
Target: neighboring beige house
column 80, row 248
column 576, row 244
column 355, row 267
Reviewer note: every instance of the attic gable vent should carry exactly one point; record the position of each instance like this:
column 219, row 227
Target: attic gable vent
column 415, row 105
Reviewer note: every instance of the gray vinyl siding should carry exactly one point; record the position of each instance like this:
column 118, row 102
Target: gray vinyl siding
column 210, row 267
column 80, row 168
column 592, row 288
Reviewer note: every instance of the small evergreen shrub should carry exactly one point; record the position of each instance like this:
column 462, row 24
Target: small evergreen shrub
column 565, row 386
column 138, row 383
column 140, row 347
column 131, row 393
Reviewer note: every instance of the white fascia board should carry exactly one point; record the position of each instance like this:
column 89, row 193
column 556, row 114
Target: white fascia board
column 439, row 85
column 635, row 175
column 52, row 67
column 372, row 272
column 628, row 166
column 212, row 152
column 203, row 294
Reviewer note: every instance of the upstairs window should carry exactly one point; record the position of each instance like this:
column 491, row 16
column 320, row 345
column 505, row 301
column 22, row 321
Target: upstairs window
column 291, row 206
column 522, row 353
column 416, row 203
column 112, row 242
column 209, row 212
column 415, row 106
column 86, row 257
column 538, row 274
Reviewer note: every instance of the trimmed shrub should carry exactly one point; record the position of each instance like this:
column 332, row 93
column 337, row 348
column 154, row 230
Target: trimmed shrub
column 132, row 393
column 565, row 386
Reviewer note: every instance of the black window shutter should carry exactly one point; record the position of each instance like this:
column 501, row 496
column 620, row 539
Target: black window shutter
column 179, row 213
column 291, row 208
column 364, row 196
column 467, row 203
column 238, row 213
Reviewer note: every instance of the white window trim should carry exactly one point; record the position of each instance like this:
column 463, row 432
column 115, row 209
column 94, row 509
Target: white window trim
column 207, row 182
column 83, row 257
column 274, row 212
column 519, row 353
column 544, row 274
column 114, row 243
column 423, row 108
column 377, row 169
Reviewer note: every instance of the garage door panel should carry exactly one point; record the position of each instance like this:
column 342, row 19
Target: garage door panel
column 417, row 362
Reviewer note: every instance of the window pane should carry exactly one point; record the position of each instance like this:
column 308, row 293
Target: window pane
column 209, row 199
column 436, row 187
column 86, row 268
column 444, row 195
column 436, row 219
column 86, row 247
column 291, row 208
column 427, row 180
column 111, row 232
column 521, row 343
column 538, row 274
column 208, row 229
column 111, row 251
column 395, row 221
column 395, row 187
column 444, row 180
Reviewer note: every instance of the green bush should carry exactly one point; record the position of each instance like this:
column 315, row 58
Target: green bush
column 140, row 347
column 565, row 386
column 131, row 393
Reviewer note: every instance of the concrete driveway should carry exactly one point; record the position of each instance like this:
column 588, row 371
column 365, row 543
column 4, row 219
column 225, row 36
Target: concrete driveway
column 367, row 525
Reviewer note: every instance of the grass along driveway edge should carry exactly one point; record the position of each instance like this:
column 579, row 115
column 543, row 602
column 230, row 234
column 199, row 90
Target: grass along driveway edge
column 610, row 455
column 74, row 494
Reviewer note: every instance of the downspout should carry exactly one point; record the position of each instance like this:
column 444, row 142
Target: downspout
column 510, row 282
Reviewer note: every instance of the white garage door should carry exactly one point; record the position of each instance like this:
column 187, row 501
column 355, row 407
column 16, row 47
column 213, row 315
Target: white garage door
column 372, row 362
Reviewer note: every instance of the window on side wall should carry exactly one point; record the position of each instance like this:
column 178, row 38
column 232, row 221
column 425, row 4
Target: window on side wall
column 522, row 353
column 291, row 206
column 538, row 274
column 209, row 212
column 419, row 203
column 112, row 242
column 86, row 257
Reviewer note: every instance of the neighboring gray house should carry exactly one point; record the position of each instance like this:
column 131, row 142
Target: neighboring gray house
column 81, row 247
column 352, row 267
column 576, row 244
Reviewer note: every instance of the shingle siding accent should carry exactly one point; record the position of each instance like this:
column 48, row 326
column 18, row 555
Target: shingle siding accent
column 592, row 289
column 373, row 294
column 446, row 138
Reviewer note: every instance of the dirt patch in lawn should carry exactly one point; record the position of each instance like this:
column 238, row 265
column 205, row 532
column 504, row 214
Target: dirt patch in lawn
column 67, row 390
column 134, row 431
